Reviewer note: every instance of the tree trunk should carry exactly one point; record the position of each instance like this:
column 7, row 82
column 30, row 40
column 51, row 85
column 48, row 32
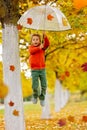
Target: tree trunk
column 46, row 109
column 61, row 96
column 57, row 96
column 64, row 97
column 14, row 115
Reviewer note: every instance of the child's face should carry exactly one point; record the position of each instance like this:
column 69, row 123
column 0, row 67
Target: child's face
column 35, row 41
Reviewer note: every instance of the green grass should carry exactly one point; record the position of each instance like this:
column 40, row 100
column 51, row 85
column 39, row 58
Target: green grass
column 2, row 112
column 29, row 107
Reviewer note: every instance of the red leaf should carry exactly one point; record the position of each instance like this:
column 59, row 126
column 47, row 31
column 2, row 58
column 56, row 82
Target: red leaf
column 19, row 27
column 11, row 103
column 84, row 67
column 67, row 73
column 12, row 67
column 62, row 122
column 62, row 77
column 29, row 21
column 50, row 17
column 84, row 118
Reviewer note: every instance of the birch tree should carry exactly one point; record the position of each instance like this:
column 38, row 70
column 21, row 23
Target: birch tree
column 46, row 114
column 14, row 116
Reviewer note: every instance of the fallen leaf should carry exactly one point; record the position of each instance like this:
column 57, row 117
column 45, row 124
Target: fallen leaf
column 84, row 118
column 71, row 118
column 62, row 122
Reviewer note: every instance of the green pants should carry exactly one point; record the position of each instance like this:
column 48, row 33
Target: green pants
column 39, row 76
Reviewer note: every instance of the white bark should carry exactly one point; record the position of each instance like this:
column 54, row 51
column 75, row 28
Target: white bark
column 64, row 97
column 12, row 79
column 46, row 109
column 57, row 96
column 61, row 96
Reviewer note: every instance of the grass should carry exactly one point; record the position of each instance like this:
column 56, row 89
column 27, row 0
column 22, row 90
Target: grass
column 2, row 112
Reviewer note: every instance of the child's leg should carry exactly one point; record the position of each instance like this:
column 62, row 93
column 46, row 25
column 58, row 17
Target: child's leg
column 43, row 81
column 35, row 83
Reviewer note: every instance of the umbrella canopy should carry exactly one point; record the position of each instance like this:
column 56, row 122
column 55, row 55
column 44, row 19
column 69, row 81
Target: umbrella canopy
column 44, row 18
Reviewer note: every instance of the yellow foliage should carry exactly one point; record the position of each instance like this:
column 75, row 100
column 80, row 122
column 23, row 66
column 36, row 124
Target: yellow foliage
column 3, row 90
column 26, row 86
column 80, row 3
column 51, row 80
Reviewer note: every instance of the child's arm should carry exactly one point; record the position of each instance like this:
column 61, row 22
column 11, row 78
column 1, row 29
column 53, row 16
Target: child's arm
column 46, row 42
column 34, row 50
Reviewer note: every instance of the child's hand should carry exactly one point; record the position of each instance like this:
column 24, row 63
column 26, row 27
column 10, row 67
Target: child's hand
column 44, row 34
column 41, row 46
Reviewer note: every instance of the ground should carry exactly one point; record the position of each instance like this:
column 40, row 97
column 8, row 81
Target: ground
column 72, row 117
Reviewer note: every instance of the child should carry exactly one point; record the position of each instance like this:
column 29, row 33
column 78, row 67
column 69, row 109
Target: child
column 37, row 64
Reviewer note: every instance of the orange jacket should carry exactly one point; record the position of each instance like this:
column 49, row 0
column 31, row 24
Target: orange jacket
column 37, row 55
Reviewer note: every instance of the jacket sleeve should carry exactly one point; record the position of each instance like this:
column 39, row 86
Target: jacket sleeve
column 34, row 50
column 46, row 43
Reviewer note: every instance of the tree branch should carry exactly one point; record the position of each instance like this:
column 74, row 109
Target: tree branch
column 63, row 47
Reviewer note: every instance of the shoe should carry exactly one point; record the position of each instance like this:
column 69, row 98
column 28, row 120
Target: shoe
column 34, row 100
column 42, row 103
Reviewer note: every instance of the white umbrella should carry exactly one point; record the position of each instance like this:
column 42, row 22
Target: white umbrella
column 44, row 18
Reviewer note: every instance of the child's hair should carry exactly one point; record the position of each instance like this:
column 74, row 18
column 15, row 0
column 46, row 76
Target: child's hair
column 38, row 35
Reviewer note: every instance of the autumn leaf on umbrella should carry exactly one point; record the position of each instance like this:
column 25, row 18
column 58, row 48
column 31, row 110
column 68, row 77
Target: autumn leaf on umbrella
column 62, row 122
column 16, row 112
column 29, row 21
column 12, row 67
column 11, row 103
column 19, row 27
column 50, row 17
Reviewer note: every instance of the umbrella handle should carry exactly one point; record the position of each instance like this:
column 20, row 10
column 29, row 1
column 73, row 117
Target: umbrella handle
column 44, row 17
column 43, row 35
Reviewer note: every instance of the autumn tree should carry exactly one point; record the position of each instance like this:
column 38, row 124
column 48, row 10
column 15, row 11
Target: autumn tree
column 65, row 45
column 10, row 11
column 9, row 14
